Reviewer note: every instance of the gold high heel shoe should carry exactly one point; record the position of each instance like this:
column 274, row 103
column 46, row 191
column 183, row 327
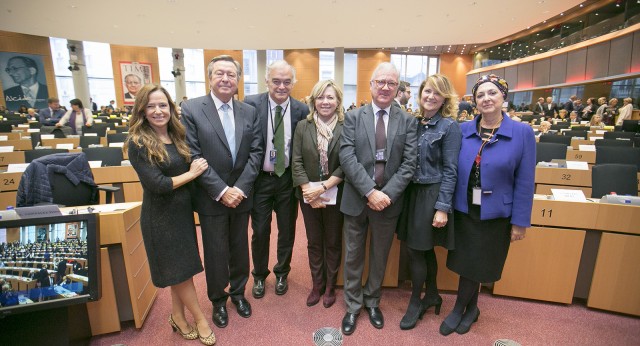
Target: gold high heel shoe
column 206, row 340
column 192, row 334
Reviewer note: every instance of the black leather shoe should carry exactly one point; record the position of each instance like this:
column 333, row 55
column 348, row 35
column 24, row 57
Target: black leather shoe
column 375, row 317
column 468, row 319
column 220, row 317
column 281, row 285
column 258, row 288
column 243, row 307
column 349, row 323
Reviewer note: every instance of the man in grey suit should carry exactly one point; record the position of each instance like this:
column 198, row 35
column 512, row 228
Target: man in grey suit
column 225, row 132
column 378, row 157
column 279, row 114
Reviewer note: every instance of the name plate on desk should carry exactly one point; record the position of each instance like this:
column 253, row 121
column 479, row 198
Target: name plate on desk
column 68, row 146
column 39, row 211
column 47, row 136
column 587, row 147
column 4, row 138
column 6, row 149
column 568, row 195
column 577, row 165
column 90, row 134
column 17, row 167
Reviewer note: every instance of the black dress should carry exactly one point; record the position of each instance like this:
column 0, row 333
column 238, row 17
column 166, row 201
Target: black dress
column 168, row 227
column 481, row 246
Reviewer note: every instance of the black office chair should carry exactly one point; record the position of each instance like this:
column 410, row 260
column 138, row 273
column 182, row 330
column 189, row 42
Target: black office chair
column 545, row 152
column 116, row 138
column 35, row 125
column 68, row 194
column 122, row 129
column 575, row 133
column 58, row 133
column 4, row 128
column 108, row 156
column 117, row 121
column 616, row 135
column 556, row 139
column 636, row 142
column 613, row 143
column 560, row 126
column 86, row 141
column 619, row 178
column 631, row 126
column 100, row 129
column 30, row 155
column 526, row 118
column 581, row 128
column 629, row 156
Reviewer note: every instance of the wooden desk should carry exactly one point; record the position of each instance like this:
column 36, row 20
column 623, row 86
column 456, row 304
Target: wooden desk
column 564, row 178
column 53, row 143
column 121, row 229
column 582, row 156
column 11, row 135
column 575, row 143
column 18, row 144
column 11, row 157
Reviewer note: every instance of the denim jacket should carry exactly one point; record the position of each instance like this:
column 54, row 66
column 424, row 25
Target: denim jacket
column 438, row 148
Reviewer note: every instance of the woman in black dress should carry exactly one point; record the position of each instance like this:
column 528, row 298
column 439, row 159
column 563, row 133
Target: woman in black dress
column 426, row 220
column 159, row 153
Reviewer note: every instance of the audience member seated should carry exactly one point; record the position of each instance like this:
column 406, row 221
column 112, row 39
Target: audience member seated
column 596, row 121
column 562, row 116
column 544, row 128
column 51, row 115
column 573, row 117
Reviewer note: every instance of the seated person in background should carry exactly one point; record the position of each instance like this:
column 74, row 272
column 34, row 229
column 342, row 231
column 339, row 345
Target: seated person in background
column 463, row 116
column 562, row 116
column 3, row 110
column 543, row 129
column 51, row 115
column 8, row 297
column 107, row 111
column 513, row 116
column 31, row 114
column 625, row 111
column 596, row 121
column 77, row 117
column 573, row 117
column 22, row 109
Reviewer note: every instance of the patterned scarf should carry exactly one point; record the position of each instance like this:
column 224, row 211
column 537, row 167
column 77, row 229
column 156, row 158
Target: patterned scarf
column 325, row 134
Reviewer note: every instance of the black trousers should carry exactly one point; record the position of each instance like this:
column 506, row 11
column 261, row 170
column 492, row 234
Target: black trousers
column 273, row 193
column 226, row 255
column 324, row 243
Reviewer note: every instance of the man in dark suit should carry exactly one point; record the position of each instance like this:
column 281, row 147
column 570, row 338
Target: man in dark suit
column 378, row 157
column 51, row 115
column 550, row 108
column 538, row 108
column 279, row 114
column 403, row 94
column 465, row 105
column 569, row 105
column 24, row 72
column 226, row 133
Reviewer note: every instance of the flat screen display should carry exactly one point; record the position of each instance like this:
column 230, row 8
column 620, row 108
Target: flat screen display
column 48, row 262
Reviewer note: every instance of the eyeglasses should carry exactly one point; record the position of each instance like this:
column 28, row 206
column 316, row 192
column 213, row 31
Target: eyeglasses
column 381, row 83
column 13, row 69
column 221, row 74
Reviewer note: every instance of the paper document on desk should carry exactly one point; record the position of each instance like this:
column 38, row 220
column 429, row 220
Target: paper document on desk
column 568, row 195
column 331, row 194
column 578, row 165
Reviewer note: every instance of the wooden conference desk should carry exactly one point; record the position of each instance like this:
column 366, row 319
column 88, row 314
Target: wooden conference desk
column 565, row 178
column 127, row 290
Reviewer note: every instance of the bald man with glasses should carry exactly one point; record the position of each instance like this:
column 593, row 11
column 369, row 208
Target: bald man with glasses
column 378, row 156
column 28, row 91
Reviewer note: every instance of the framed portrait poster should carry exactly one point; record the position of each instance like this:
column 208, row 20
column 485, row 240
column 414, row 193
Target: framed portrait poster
column 23, row 80
column 134, row 76
column 72, row 231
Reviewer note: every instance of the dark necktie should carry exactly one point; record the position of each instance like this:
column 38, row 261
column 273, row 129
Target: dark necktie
column 278, row 142
column 381, row 143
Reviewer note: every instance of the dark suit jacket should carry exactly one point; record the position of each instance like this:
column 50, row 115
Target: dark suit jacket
column 357, row 158
column 549, row 113
column 261, row 102
column 14, row 97
column 306, row 158
column 207, row 139
column 46, row 118
column 538, row 108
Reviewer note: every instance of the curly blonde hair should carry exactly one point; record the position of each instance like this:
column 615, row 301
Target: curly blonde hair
column 142, row 134
column 442, row 85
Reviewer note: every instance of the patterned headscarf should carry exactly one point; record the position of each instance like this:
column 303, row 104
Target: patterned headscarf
column 496, row 80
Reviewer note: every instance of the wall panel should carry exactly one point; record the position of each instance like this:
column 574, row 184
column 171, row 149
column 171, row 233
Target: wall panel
column 511, row 76
column 635, row 53
column 598, row 60
column 307, row 65
column 576, row 65
column 525, row 76
column 620, row 63
column 456, row 66
column 471, row 80
column 541, row 70
column 558, row 69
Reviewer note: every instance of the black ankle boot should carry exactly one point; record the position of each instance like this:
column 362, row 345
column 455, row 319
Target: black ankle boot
column 414, row 312
column 429, row 301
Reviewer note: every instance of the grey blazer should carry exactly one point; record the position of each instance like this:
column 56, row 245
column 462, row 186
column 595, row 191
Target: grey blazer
column 357, row 158
column 261, row 102
column 206, row 138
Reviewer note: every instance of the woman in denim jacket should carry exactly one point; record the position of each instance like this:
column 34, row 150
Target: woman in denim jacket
column 425, row 221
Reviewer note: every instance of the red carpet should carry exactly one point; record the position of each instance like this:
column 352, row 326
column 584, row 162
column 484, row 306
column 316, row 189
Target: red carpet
column 286, row 320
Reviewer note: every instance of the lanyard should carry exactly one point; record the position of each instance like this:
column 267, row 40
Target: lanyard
column 479, row 154
column 275, row 128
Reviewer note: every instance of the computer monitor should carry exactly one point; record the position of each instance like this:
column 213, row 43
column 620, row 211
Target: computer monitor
column 48, row 262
